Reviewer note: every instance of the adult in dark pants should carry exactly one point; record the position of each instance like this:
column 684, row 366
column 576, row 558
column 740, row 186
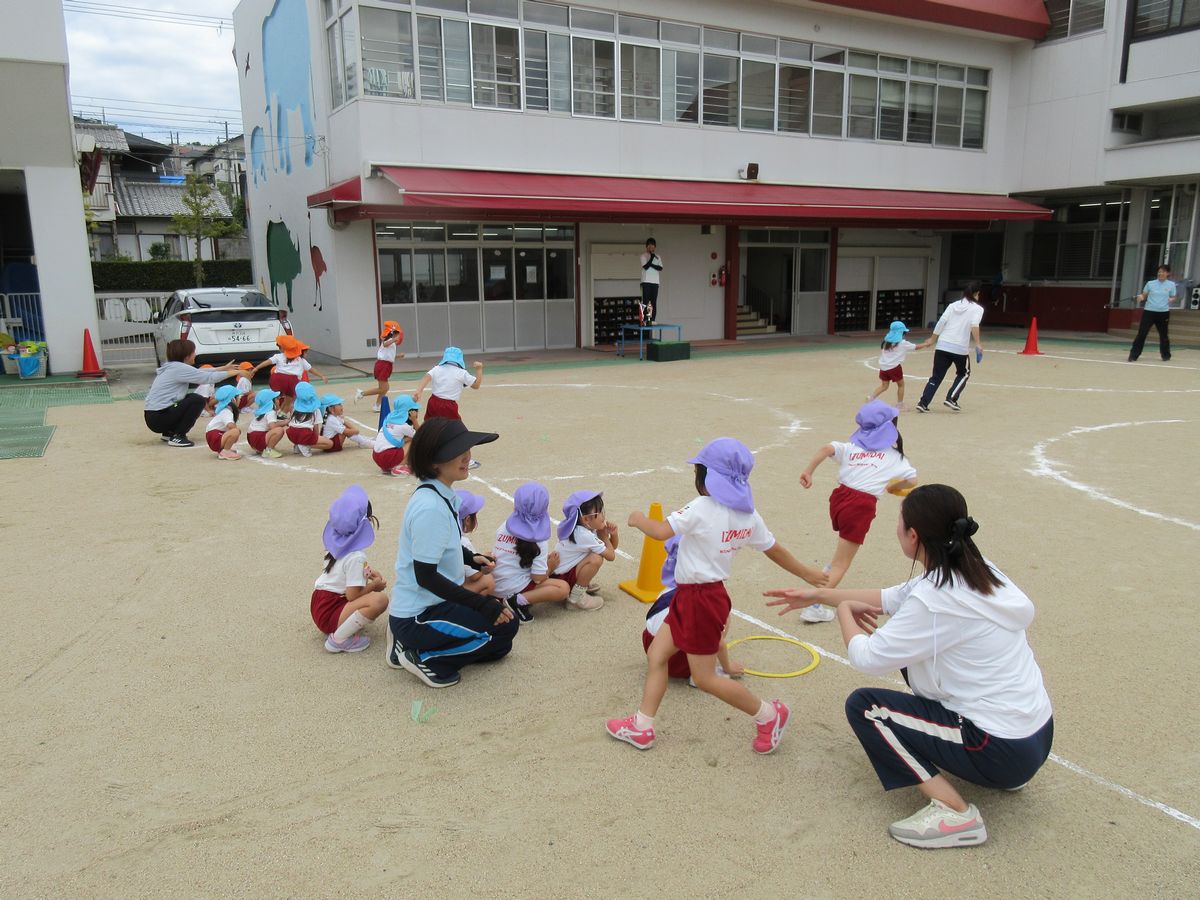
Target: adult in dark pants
column 437, row 625
column 1157, row 295
column 978, row 708
column 652, row 267
column 954, row 333
column 170, row 410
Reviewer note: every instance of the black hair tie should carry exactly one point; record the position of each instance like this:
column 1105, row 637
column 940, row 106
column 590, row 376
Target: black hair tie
column 960, row 531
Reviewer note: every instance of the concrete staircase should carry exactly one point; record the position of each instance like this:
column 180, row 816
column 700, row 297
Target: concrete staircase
column 749, row 322
column 1184, row 331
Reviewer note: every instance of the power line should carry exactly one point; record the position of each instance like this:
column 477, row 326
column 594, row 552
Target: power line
column 129, row 102
column 88, row 110
column 145, row 14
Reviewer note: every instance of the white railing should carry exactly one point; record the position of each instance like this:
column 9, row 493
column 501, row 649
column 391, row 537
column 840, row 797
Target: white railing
column 21, row 316
column 127, row 325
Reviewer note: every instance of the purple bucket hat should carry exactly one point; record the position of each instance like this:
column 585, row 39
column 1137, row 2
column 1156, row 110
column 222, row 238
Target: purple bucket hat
column 468, row 505
column 530, row 520
column 728, row 480
column 571, row 512
column 875, row 428
column 348, row 528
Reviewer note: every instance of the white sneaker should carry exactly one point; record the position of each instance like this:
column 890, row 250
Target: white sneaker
column 362, row 440
column 817, row 613
column 580, row 599
column 938, row 826
column 304, row 449
column 358, row 395
column 376, row 408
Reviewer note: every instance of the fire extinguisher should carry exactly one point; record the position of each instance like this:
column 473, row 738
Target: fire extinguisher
column 723, row 274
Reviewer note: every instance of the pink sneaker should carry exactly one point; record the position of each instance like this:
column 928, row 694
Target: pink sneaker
column 626, row 730
column 770, row 734
column 352, row 644
column 401, row 470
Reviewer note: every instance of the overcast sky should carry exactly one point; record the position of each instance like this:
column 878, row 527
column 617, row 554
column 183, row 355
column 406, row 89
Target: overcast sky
column 139, row 67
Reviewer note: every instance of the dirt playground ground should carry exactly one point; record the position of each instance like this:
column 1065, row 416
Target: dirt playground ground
column 170, row 725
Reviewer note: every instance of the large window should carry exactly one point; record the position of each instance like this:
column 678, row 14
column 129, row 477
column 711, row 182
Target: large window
column 1079, row 245
column 1070, row 17
column 1154, row 17
column 555, row 58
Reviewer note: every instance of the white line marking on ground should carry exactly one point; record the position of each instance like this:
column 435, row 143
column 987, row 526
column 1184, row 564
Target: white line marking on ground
column 873, row 365
column 1109, row 362
column 1045, row 468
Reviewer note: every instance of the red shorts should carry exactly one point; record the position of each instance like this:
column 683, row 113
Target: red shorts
column 851, row 512
column 697, row 617
column 677, row 665
column 438, row 406
column 896, row 374
column 244, row 401
column 257, row 440
column 388, row 459
column 327, row 609
column 304, row 436
column 568, row 576
column 214, row 440
column 383, row 370
column 338, row 441
column 284, row 383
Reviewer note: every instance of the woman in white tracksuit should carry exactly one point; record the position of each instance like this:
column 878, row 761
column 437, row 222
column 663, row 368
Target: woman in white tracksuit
column 954, row 333
column 978, row 708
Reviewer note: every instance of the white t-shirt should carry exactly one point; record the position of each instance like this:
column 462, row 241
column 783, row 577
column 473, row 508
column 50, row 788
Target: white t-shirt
column 709, row 535
column 571, row 553
column 317, row 420
column 349, row 571
column 264, row 422
column 468, row 571
column 889, row 359
column 650, row 275
column 333, row 426
column 205, row 390
column 243, row 385
column 449, row 380
column 954, row 327
column 966, row 650
column 386, row 352
column 870, row 471
column 401, row 432
column 285, row 366
column 221, row 421
column 509, row 575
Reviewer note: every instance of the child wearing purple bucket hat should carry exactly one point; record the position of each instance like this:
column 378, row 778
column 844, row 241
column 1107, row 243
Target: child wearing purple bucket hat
column 711, row 529
column 349, row 593
column 586, row 540
column 871, row 462
column 522, row 553
column 477, row 567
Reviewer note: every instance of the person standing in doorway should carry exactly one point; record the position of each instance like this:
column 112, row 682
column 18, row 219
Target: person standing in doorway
column 652, row 267
column 955, row 332
column 1157, row 295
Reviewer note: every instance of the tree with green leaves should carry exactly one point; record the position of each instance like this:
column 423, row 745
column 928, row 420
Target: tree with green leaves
column 202, row 220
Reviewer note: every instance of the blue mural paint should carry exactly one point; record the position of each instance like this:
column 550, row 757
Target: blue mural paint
column 258, row 158
column 287, row 75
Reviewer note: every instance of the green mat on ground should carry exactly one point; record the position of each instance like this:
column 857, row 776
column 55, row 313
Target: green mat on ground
column 49, row 395
column 24, row 442
column 20, row 418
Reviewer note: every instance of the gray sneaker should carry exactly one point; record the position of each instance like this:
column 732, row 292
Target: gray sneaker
column 938, row 826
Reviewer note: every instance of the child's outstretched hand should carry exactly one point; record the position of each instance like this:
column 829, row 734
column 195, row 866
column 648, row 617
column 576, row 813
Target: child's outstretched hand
column 324, row 380
column 477, row 366
column 791, row 598
column 805, row 480
column 735, row 669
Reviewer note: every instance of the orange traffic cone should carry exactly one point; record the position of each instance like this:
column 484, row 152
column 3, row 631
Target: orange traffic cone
column 654, row 553
column 1031, row 347
column 91, row 365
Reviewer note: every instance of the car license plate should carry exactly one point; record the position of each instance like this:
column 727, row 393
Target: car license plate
column 238, row 337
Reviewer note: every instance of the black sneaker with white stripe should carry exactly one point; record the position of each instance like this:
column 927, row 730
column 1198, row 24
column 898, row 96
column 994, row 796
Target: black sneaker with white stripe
column 524, row 613
column 953, row 404
column 180, row 440
column 399, row 658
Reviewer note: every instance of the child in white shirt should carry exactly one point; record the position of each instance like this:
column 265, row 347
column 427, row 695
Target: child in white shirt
column 390, row 338
column 477, row 567
column 222, row 432
column 206, row 391
column 522, row 554
column 268, row 426
column 349, row 594
column 335, row 427
column 585, row 541
column 399, row 426
column 448, row 379
column 871, row 463
column 304, row 426
column 244, row 385
column 891, row 354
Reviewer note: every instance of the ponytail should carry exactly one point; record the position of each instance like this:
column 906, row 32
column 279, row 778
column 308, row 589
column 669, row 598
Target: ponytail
column 938, row 514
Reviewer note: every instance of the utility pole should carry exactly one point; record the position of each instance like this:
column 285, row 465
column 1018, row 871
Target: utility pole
column 227, row 132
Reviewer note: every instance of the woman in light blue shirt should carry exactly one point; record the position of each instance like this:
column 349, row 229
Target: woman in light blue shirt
column 437, row 625
column 1157, row 295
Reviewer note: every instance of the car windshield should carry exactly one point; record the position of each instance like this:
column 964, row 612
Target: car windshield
column 228, row 299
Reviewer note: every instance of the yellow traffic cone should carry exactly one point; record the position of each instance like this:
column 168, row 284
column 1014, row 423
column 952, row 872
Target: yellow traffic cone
column 654, row 553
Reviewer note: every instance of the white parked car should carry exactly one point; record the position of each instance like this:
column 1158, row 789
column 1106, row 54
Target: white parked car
column 223, row 323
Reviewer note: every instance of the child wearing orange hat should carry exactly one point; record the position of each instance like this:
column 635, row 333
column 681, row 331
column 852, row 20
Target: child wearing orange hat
column 391, row 337
column 289, row 365
column 244, row 385
column 206, row 391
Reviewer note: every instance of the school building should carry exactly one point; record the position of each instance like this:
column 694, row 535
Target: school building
column 485, row 172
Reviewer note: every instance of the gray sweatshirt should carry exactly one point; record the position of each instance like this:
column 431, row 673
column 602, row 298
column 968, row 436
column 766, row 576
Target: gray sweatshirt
column 171, row 383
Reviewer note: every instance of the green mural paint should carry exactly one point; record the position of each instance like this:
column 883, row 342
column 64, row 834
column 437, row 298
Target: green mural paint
column 283, row 260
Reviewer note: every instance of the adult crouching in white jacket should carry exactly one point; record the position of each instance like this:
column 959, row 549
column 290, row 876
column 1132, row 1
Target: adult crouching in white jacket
column 978, row 709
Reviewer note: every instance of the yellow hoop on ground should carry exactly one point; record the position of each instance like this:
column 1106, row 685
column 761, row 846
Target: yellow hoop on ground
column 787, row 640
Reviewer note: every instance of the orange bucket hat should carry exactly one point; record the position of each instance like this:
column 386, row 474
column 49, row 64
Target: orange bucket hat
column 389, row 327
column 294, row 348
column 246, row 366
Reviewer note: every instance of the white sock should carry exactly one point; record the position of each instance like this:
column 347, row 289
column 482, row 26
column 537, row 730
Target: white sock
column 643, row 722
column 362, row 440
column 765, row 713
column 355, row 622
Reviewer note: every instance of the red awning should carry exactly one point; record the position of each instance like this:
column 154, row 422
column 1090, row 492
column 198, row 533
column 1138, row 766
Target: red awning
column 1012, row 18
column 426, row 191
column 344, row 193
